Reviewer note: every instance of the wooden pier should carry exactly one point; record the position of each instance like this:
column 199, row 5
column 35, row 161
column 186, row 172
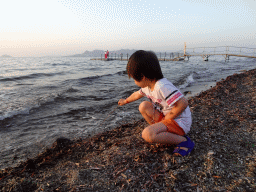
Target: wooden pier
column 225, row 51
column 204, row 52
column 109, row 59
column 124, row 59
column 173, row 56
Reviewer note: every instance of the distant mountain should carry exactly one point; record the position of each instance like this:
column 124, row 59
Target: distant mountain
column 6, row 56
column 99, row 53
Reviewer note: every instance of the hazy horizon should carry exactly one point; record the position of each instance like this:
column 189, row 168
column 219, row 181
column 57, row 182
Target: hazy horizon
column 68, row 27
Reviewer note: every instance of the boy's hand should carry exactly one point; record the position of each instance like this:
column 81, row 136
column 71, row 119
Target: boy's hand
column 122, row 102
column 133, row 97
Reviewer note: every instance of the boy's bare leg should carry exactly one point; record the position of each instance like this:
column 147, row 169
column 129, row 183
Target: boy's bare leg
column 148, row 112
column 157, row 133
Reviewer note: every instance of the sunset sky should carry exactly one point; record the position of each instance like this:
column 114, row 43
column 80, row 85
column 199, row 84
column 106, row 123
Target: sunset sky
column 66, row 27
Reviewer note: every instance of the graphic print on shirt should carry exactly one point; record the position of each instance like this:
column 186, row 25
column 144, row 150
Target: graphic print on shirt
column 156, row 103
column 158, row 106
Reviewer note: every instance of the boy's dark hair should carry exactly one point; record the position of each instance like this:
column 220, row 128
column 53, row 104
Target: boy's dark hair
column 144, row 63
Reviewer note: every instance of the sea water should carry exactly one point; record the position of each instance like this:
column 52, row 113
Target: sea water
column 42, row 99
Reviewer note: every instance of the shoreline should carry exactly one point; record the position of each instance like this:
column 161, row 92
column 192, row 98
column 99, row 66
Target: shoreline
column 197, row 89
column 201, row 87
column 224, row 158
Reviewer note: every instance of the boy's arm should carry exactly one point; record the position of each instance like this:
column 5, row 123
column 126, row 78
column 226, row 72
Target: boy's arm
column 178, row 108
column 133, row 97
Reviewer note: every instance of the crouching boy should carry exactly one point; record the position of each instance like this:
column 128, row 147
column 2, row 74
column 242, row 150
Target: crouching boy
column 167, row 112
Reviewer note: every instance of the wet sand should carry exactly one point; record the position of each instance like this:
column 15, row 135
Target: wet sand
column 223, row 129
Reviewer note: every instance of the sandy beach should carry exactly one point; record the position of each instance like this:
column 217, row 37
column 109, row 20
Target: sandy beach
column 223, row 129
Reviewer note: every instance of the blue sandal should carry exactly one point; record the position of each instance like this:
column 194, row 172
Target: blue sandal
column 187, row 144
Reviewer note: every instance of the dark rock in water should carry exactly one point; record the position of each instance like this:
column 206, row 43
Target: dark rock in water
column 63, row 142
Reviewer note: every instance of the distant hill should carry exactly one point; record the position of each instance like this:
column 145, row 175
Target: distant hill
column 98, row 53
column 6, row 56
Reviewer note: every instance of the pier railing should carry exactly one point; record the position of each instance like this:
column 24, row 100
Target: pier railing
column 162, row 56
column 226, row 51
column 204, row 52
column 222, row 50
column 114, row 56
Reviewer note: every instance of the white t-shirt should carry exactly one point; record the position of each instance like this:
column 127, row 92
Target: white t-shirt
column 164, row 96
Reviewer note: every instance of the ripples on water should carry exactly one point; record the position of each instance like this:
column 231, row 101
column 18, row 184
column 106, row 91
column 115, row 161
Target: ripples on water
column 42, row 99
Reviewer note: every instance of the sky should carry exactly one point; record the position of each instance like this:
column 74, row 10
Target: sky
column 65, row 27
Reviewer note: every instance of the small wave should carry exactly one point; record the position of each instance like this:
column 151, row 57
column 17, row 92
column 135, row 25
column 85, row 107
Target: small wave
column 187, row 82
column 21, row 84
column 63, row 98
column 31, row 76
column 93, row 69
column 122, row 73
column 12, row 113
column 60, row 64
column 73, row 112
column 72, row 90
column 204, row 73
column 23, row 107
column 92, row 78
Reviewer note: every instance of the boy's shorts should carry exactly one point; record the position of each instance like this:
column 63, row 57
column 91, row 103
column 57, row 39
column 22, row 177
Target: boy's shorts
column 172, row 126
